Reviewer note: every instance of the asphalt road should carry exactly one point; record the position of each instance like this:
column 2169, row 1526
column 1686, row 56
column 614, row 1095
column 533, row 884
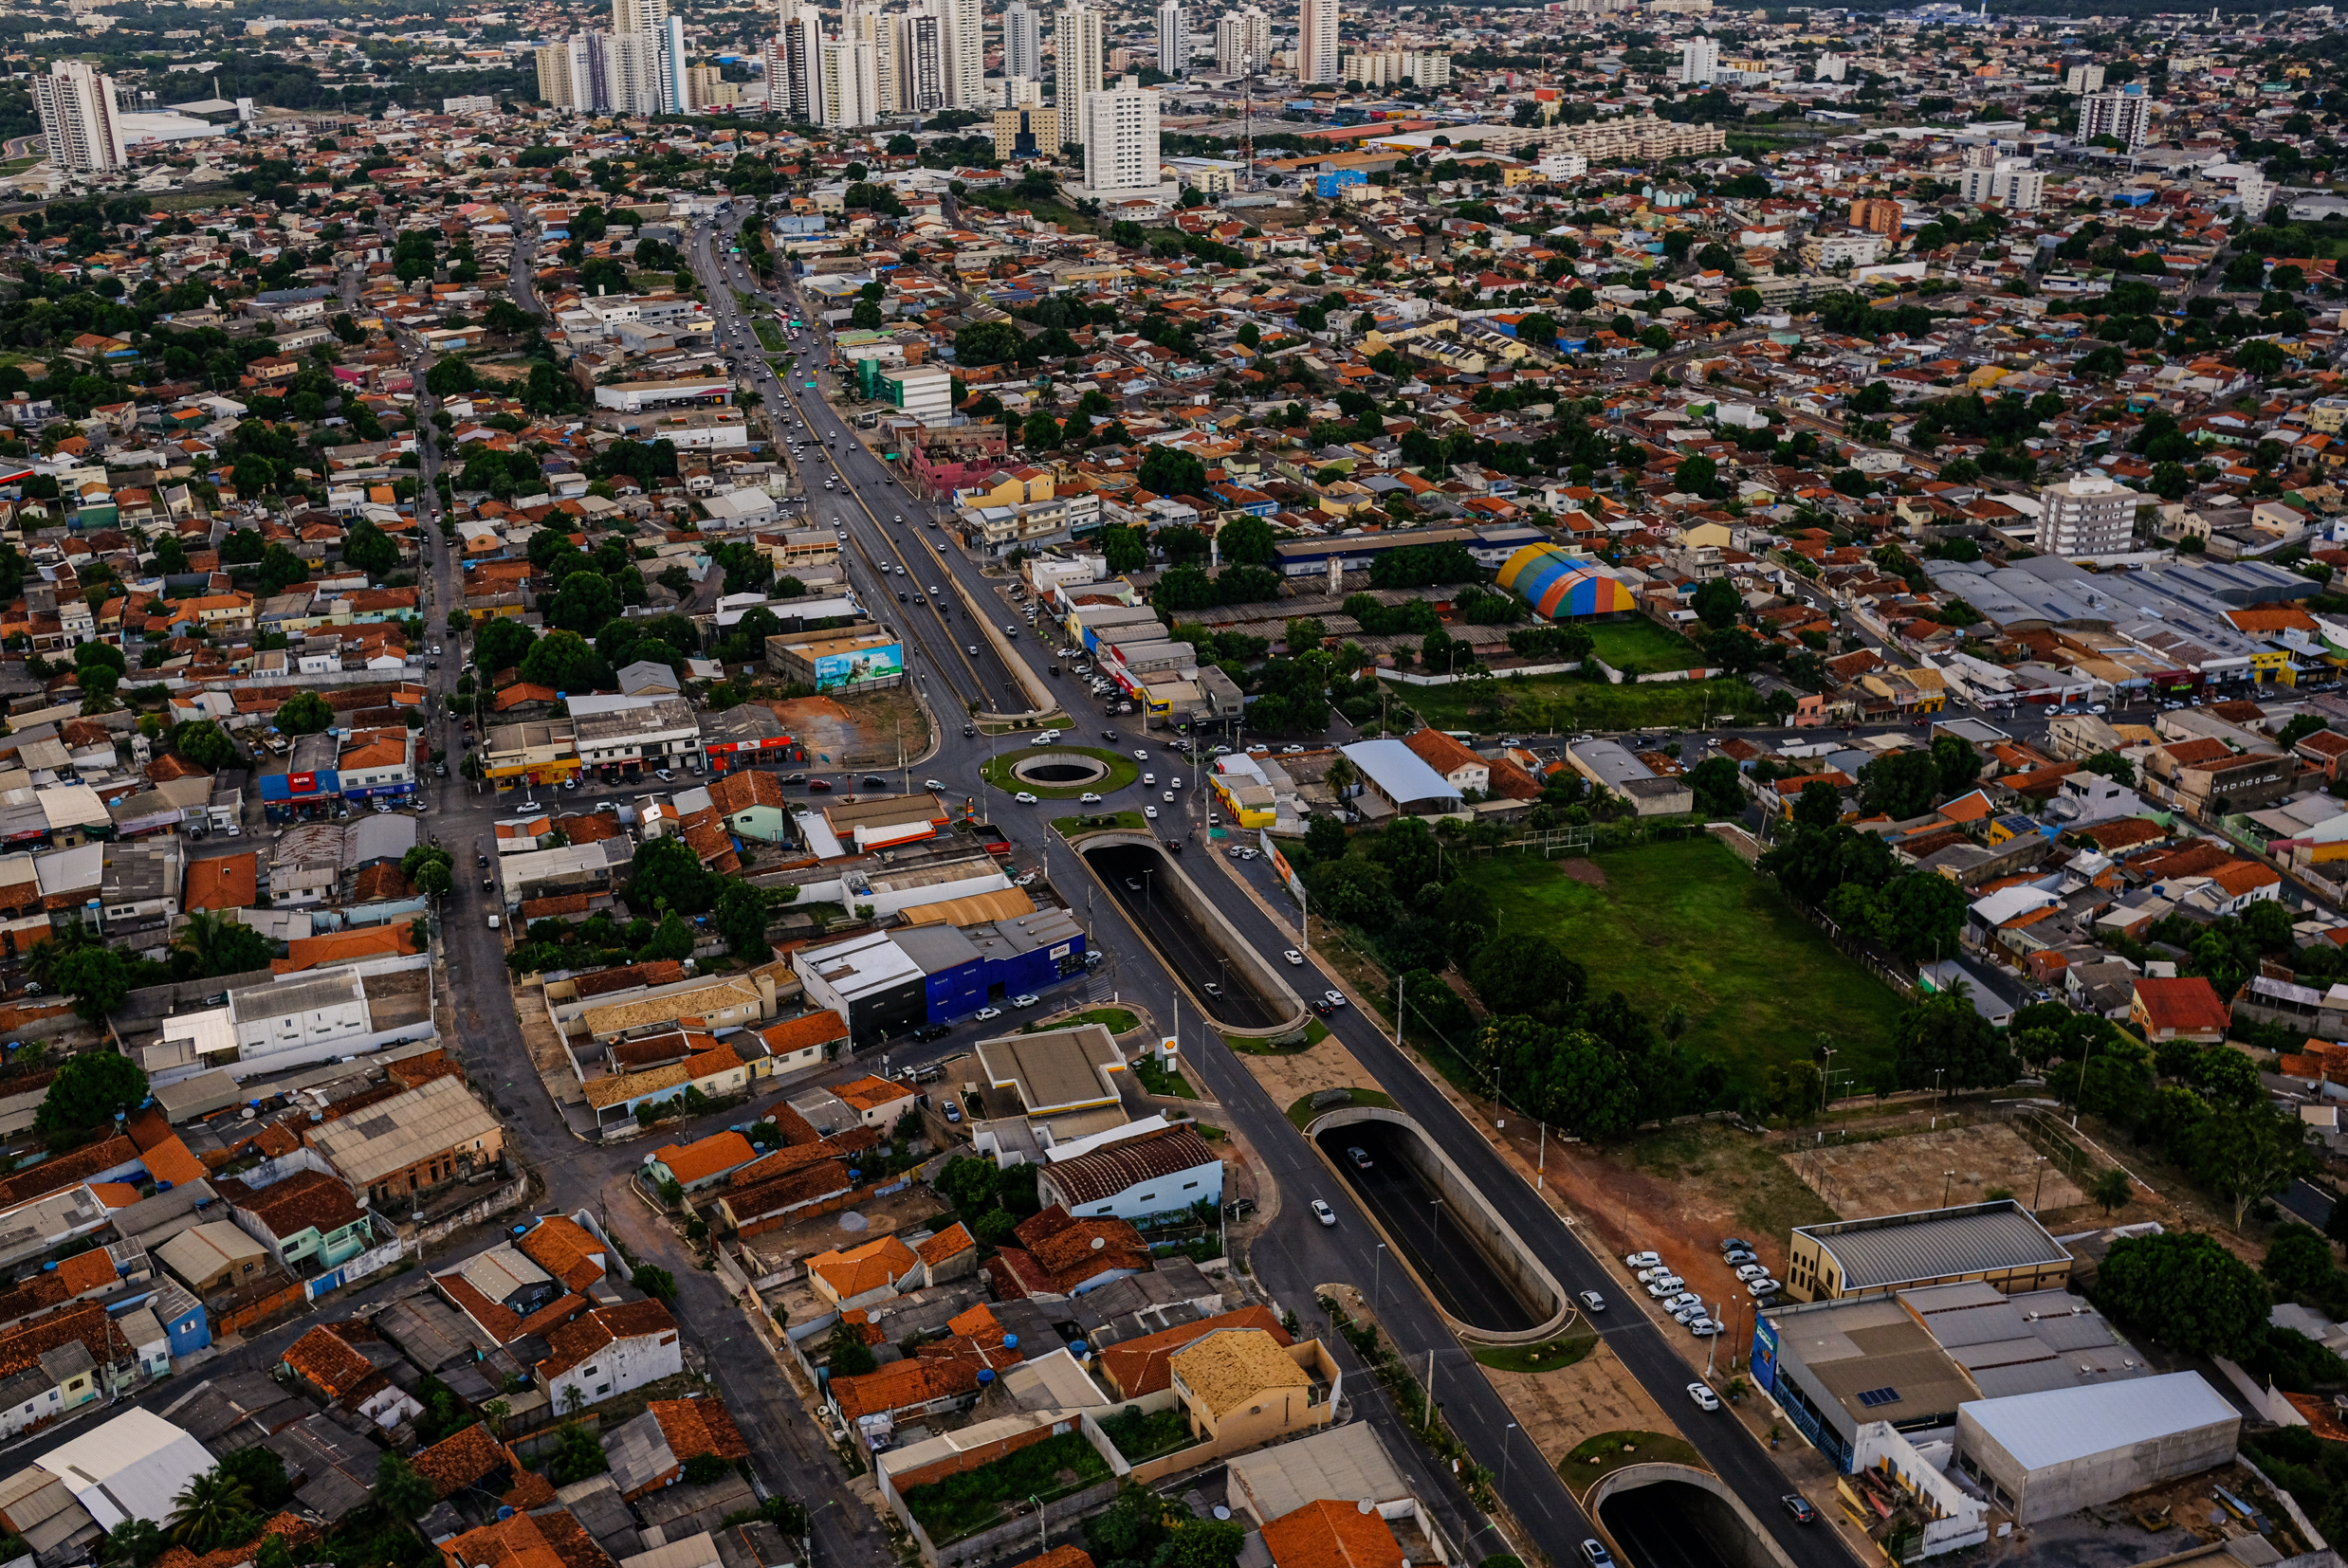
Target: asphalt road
column 1448, row 1261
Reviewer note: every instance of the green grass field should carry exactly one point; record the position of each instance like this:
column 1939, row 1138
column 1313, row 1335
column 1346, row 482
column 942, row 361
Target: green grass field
column 1640, row 645
column 770, row 336
column 1567, row 704
column 1687, row 924
column 1123, row 770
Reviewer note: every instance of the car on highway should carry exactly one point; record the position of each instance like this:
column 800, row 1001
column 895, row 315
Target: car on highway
column 1334, row 998
column 1322, row 1009
column 1150, row 811
column 1087, row 799
column 1594, row 1301
column 818, row 784
column 974, row 651
column 1025, row 998
column 1169, row 797
column 1293, row 957
column 1141, row 753
column 1149, row 781
column 933, row 783
column 1323, row 1213
column 1595, row 1553
column 1798, row 1505
column 1359, row 1156
column 1213, row 990
column 1703, row 1395
column 987, row 1015
column 1024, row 799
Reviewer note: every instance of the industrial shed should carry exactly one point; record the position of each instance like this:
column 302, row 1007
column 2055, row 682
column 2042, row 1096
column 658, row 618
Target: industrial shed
column 2043, row 1455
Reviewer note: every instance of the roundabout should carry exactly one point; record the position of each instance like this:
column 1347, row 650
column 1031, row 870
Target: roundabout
column 1062, row 773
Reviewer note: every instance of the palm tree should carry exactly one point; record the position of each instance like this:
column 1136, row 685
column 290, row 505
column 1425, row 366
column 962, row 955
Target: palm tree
column 209, row 1510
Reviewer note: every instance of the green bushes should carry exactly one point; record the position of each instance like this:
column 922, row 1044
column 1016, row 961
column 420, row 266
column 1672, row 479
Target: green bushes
column 965, row 1504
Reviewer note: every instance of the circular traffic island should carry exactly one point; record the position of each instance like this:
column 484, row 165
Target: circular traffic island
column 1062, row 773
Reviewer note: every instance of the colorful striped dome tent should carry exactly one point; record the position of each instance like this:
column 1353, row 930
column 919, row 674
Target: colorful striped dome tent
column 1560, row 586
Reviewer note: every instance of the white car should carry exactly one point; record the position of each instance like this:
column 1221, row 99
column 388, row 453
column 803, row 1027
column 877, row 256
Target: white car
column 1169, row 797
column 1293, row 957
column 987, row 1015
column 1323, row 1213
column 1752, row 1272
column 1704, row 1397
column 1594, row 1301
column 1704, row 1329
column 1669, row 1284
column 1334, row 998
column 1150, row 811
column 1641, row 1259
column 933, row 783
column 1685, row 1298
column 1150, row 779
column 1024, row 799
column 1140, row 754
column 1087, row 799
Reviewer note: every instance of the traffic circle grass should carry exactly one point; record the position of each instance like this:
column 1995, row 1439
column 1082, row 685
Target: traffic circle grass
column 1120, row 771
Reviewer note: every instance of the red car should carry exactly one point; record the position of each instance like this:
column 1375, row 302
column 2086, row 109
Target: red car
column 818, row 784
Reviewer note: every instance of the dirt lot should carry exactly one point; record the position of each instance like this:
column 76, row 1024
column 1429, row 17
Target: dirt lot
column 1897, row 1175
column 1557, row 1410
column 1289, row 1079
column 861, row 731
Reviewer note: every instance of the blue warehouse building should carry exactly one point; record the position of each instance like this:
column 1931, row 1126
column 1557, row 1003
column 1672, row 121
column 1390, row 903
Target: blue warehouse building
column 886, row 983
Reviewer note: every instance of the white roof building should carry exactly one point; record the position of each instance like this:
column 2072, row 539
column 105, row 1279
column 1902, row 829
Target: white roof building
column 135, row 1466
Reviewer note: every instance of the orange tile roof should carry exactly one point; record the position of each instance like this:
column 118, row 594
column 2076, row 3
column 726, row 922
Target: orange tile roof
column 171, row 1161
column 875, row 1264
column 229, row 882
column 341, row 947
column 561, row 1247
column 870, row 1093
column 820, row 1027
column 1329, row 1534
column 947, row 1244
column 707, row 1158
column 2188, row 1005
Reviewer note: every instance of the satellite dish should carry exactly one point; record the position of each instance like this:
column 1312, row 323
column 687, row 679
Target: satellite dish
column 1222, row 1512
column 1099, row 1242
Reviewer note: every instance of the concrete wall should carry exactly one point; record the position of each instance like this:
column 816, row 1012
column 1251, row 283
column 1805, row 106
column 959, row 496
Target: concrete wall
column 1267, row 982
column 1713, row 1511
column 2066, row 1487
column 1493, row 1235
column 1963, row 1520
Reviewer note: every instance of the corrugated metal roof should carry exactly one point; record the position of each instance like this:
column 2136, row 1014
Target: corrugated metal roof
column 1875, row 1254
column 2040, row 1429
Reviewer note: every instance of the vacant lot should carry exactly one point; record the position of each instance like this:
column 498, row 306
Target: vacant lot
column 1567, row 704
column 1899, row 1176
column 1688, row 924
column 1640, row 645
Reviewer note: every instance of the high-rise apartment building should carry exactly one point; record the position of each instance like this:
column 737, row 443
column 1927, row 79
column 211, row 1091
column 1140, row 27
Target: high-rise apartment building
column 676, row 90
column 1079, row 46
column 638, row 16
column 2090, row 515
column 962, row 38
column 2125, row 116
column 1022, row 41
column 1830, row 67
column 1700, row 59
column 709, row 88
column 2014, row 185
column 919, row 76
column 553, row 75
column 1121, row 138
column 1243, row 43
column 1316, row 42
column 631, row 74
column 795, row 65
column 81, row 117
column 1392, row 67
column 1173, row 39
column 2084, row 78
column 851, row 82
column 1876, row 216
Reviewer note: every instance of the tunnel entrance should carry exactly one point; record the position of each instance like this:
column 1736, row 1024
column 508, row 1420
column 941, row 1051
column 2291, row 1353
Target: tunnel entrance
column 1389, row 1177
column 1230, row 983
column 1671, row 1523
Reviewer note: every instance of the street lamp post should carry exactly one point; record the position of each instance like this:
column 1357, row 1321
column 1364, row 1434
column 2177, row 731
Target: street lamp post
column 1946, row 1177
column 1377, row 1266
column 1505, row 1452
column 2039, row 1185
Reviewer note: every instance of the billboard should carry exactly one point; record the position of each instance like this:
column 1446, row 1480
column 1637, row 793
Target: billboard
column 862, row 667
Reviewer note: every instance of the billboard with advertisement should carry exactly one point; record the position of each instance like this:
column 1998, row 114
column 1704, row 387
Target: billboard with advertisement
column 1280, row 866
column 1764, row 1354
column 862, row 667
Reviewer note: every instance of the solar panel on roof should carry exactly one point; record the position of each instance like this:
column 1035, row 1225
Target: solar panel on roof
column 1874, row 1396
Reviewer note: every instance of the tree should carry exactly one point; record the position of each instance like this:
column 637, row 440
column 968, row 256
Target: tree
column 1819, row 804
column 1246, row 541
column 97, row 977
column 90, row 1087
column 584, row 604
column 1525, row 973
column 1695, row 476
column 1899, row 786
column 1716, row 603
column 2112, row 1190
column 303, row 713
column 370, row 549
column 665, row 873
column 2112, row 766
column 656, row 1283
column 450, row 378
column 211, row 1511
column 204, row 743
column 216, row 945
column 135, row 1542
column 1170, row 471
column 2244, row 1152
column 847, row 1355
column 2185, row 1290
column 1959, row 765
column 1942, row 1033
column 577, row 1455
column 501, row 644
column 565, row 660
column 2299, row 1262
column 1922, row 915
column 402, row 1490
column 1126, row 549
column 1718, row 787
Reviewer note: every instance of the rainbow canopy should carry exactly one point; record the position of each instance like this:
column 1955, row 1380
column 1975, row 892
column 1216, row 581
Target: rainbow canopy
column 1559, row 585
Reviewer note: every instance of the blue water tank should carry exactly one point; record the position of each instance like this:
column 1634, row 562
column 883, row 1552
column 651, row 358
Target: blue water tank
column 49, row 1267
column 162, row 1187
column 1011, row 1341
column 505, row 1512
column 986, row 1375
column 1077, row 1350
column 522, row 1230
